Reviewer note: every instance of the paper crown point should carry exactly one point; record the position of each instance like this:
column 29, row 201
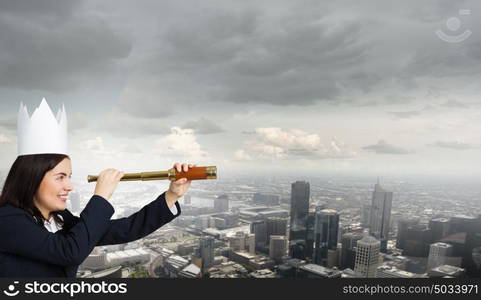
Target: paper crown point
column 42, row 132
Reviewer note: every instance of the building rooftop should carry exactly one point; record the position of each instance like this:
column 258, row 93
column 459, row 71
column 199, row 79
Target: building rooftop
column 398, row 272
column 263, row 273
column 448, row 269
column 320, row 270
column 191, row 270
column 368, row 239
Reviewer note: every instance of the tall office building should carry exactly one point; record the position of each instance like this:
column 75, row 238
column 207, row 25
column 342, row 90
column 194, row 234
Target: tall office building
column 439, row 254
column 439, row 228
column 380, row 215
column 277, row 247
column 348, row 249
column 206, row 251
column 471, row 227
column 311, row 224
column 365, row 215
column 276, row 226
column 300, row 192
column 402, row 228
column 259, row 229
column 417, row 240
column 367, row 257
column 325, row 234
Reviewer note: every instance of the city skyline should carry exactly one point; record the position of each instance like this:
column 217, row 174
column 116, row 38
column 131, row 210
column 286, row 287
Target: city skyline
column 434, row 209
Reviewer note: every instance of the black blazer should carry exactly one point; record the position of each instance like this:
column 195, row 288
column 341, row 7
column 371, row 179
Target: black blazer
column 28, row 249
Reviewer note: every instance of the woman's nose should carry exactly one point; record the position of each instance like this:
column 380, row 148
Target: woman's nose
column 68, row 186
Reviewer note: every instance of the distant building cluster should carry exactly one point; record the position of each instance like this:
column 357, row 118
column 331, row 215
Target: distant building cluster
column 265, row 235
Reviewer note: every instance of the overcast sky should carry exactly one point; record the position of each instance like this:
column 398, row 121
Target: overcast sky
column 354, row 87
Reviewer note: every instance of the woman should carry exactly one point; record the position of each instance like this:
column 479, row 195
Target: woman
column 40, row 238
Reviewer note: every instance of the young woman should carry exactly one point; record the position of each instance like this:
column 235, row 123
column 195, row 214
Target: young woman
column 39, row 237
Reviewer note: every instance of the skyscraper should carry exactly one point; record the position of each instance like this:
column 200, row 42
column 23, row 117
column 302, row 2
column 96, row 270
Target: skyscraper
column 325, row 234
column 471, row 226
column 418, row 237
column 402, row 228
column 365, row 215
column 276, row 226
column 439, row 228
column 367, row 257
column 380, row 215
column 259, row 229
column 300, row 191
column 348, row 249
column 311, row 224
column 206, row 249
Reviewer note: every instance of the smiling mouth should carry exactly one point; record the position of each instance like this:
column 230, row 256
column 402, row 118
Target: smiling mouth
column 64, row 199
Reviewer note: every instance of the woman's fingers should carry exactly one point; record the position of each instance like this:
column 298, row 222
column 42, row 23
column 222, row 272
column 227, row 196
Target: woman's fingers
column 183, row 167
column 180, row 181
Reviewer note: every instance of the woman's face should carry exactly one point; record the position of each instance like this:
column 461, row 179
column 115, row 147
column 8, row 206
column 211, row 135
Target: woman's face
column 54, row 188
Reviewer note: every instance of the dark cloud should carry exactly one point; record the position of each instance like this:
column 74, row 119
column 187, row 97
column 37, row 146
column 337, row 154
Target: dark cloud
column 300, row 53
column 382, row 147
column 45, row 9
column 247, row 55
column 76, row 121
column 147, row 106
column 124, row 125
column 203, row 126
column 56, row 46
column 454, row 145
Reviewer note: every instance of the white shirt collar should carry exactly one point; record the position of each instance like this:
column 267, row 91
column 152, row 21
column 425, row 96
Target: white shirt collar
column 52, row 225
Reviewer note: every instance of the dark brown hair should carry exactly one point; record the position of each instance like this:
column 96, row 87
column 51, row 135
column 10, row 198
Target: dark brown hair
column 23, row 181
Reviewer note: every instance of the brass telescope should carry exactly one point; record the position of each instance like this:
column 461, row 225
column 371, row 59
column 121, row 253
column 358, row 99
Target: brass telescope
column 194, row 173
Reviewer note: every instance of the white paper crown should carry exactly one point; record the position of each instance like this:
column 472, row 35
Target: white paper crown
column 42, row 133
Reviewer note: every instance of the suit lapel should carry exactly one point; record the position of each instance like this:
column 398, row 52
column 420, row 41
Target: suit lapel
column 69, row 220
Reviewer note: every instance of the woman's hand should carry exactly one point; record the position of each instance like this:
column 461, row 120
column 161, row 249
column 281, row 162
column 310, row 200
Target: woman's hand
column 178, row 188
column 107, row 182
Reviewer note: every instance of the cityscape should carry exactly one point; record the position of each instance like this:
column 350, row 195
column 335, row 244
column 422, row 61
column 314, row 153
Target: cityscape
column 278, row 227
